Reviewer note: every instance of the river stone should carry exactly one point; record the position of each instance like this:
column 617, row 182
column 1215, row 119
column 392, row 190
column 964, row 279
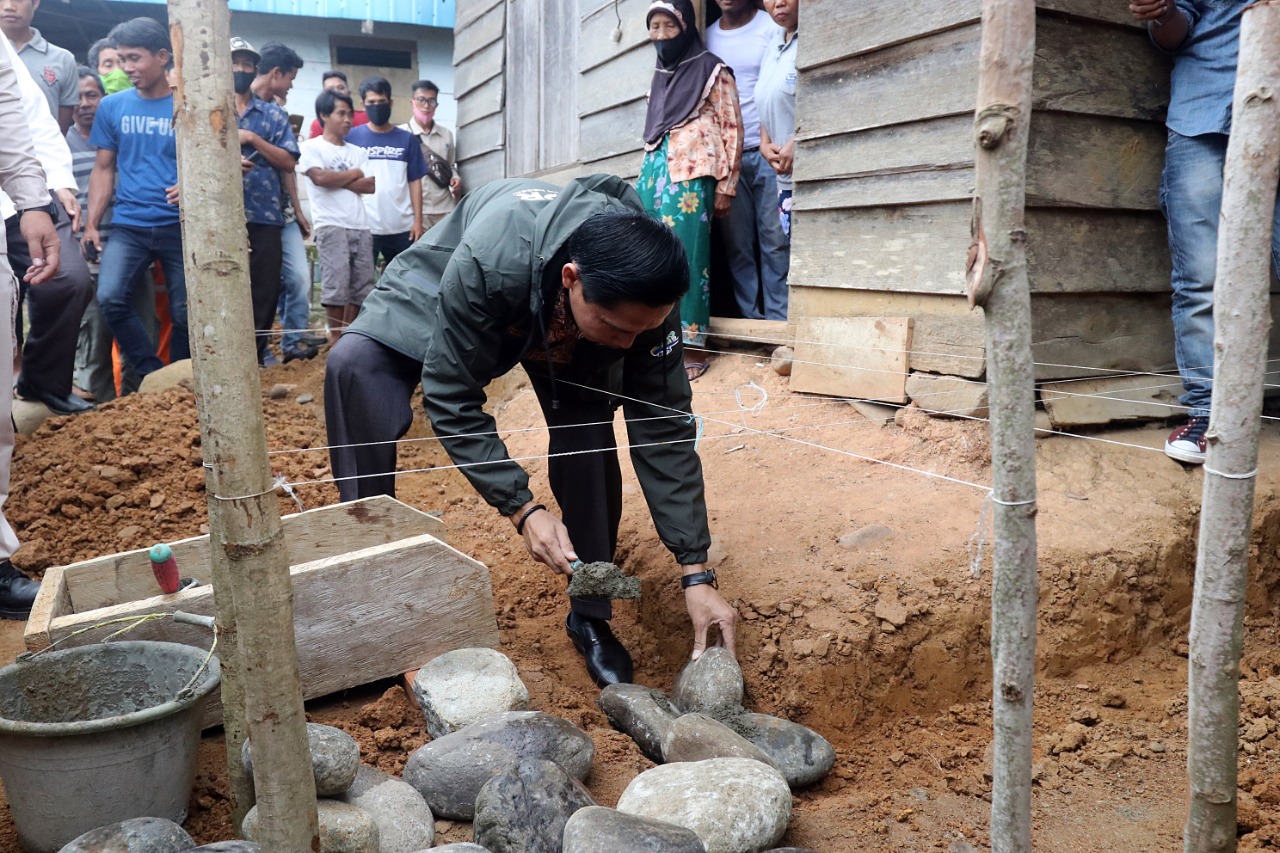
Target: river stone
column 524, row 808
column 229, row 847
column 139, row 835
column 641, row 712
column 596, row 828
column 464, row 686
column 697, row 737
column 735, row 805
column 712, row 684
column 803, row 755
column 605, row 580
column 450, row 771
column 335, row 758
column 344, row 828
column 404, row 820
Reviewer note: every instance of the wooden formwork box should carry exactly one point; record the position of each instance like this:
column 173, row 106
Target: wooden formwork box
column 376, row 592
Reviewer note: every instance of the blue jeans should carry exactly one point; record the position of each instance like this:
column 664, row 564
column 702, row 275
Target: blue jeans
column 754, row 215
column 1191, row 198
column 125, row 255
column 295, row 287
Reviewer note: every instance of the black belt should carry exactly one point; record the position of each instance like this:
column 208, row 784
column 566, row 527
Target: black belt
column 749, row 150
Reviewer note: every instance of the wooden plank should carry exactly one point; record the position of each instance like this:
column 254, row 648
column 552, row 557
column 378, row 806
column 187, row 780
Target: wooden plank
column 482, row 101
column 838, row 29
column 480, row 33
column 1086, row 161
column 481, row 137
column 927, row 78
column 482, row 169
column 479, row 69
column 932, row 144
column 523, row 89
column 619, row 81
column 1092, row 10
column 612, row 132
column 311, row 535
column 756, row 332
column 1080, row 402
column 557, row 125
column 358, row 617
column 625, row 165
column 1085, row 67
column 1081, row 251
column 863, row 357
column 596, row 47
column 469, row 10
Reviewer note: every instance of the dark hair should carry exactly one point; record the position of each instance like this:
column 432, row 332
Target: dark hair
column 330, row 74
column 95, row 50
column 276, row 55
column 327, row 100
column 83, row 71
column 426, row 84
column 377, row 85
column 625, row 256
column 146, row 33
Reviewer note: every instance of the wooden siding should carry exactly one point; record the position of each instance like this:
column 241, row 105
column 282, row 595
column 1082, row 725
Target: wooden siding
column 479, row 59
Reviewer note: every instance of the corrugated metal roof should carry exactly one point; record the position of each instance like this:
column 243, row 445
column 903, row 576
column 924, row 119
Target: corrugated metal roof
column 428, row 13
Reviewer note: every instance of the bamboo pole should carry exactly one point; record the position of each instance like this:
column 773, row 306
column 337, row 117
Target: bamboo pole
column 246, row 538
column 997, row 281
column 1242, row 320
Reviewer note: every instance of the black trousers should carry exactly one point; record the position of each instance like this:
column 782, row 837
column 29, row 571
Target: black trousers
column 390, row 245
column 53, row 308
column 368, row 393
column 266, row 258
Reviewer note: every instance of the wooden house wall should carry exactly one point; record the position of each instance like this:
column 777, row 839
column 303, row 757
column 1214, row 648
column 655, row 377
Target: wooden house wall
column 479, row 60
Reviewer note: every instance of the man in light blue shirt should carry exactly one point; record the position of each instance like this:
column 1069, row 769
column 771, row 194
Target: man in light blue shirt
column 1203, row 37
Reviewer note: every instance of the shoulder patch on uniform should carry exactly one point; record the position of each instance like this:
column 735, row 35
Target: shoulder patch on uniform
column 666, row 347
column 534, row 194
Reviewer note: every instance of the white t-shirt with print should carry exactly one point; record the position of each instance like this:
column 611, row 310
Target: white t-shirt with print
column 743, row 51
column 341, row 207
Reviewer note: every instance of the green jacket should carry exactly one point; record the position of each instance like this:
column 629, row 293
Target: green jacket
column 468, row 301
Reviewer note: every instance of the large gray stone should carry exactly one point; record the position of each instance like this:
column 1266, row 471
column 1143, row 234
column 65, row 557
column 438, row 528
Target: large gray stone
column 641, row 712
column 712, row 684
column 735, row 805
column 803, row 755
column 139, row 835
column 596, row 829
column 697, row 737
column 344, row 828
column 229, row 847
column 404, row 819
column 335, row 758
column 449, row 772
column 464, row 686
column 524, row 808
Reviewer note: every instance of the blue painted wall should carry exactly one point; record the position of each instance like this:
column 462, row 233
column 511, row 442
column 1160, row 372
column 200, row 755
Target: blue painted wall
column 427, row 13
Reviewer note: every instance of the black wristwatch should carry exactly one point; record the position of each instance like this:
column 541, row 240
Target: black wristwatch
column 50, row 208
column 707, row 577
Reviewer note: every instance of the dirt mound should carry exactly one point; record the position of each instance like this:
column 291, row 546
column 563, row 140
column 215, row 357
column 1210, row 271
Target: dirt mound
column 861, row 616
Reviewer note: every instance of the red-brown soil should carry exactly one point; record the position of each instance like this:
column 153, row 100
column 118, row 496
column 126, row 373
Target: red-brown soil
column 882, row 647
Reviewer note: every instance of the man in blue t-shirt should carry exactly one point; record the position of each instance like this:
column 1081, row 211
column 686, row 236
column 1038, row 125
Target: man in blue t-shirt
column 133, row 132
column 394, row 209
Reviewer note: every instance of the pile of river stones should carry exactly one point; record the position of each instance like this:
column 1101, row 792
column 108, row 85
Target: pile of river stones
column 723, row 784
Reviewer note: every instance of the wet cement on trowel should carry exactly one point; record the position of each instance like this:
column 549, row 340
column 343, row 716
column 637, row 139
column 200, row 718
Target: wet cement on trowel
column 603, row 580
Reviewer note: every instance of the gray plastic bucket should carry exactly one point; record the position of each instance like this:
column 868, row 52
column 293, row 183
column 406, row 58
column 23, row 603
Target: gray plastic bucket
column 97, row 734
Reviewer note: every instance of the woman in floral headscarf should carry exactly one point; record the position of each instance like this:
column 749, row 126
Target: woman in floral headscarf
column 693, row 145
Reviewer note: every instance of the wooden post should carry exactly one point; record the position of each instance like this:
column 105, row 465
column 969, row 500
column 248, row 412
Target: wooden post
column 997, row 281
column 1242, row 319
column 248, row 547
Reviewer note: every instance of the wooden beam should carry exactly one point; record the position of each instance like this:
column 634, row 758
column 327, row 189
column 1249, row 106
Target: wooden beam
column 863, row 357
column 763, row 332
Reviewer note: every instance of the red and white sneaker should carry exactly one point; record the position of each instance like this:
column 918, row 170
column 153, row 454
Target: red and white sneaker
column 1187, row 442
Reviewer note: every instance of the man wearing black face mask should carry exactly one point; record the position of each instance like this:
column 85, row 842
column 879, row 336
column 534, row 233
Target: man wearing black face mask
column 267, row 147
column 394, row 209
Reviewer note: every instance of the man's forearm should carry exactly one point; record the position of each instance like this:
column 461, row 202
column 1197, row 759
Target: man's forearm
column 100, row 181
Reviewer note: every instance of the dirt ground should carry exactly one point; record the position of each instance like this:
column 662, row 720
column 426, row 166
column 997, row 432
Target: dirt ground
column 860, row 615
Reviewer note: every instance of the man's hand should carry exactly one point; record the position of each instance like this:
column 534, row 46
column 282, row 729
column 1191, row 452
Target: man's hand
column 416, row 230
column 455, row 186
column 1150, row 10
column 171, row 194
column 364, row 186
column 246, row 165
column 722, row 205
column 91, row 237
column 786, row 158
column 67, row 198
column 42, row 243
column 547, row 539
column 706, row 608
column 248, row 137
column 769, row 152
column 303, row 224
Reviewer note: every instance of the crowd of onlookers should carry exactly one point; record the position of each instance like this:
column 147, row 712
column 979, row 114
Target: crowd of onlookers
column 116, row 310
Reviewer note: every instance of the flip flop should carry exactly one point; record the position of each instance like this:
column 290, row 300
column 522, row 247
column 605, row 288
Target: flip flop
column 695, row 369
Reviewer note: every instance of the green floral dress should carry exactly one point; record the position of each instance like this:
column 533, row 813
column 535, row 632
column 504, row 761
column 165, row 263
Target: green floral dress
column 685, row 206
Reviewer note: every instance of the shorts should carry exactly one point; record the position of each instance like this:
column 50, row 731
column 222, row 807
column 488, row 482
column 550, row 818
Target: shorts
column 346, row 265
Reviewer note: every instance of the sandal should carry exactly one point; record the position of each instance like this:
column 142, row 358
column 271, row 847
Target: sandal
column 695, row 369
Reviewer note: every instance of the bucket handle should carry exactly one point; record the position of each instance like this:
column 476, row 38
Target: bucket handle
column 131, row 622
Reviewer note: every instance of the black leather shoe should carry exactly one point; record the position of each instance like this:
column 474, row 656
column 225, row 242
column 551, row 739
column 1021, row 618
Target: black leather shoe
column 17, row 592
column 59, row 405
column 608, row 661
column 302, row 351
column 313, row 339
